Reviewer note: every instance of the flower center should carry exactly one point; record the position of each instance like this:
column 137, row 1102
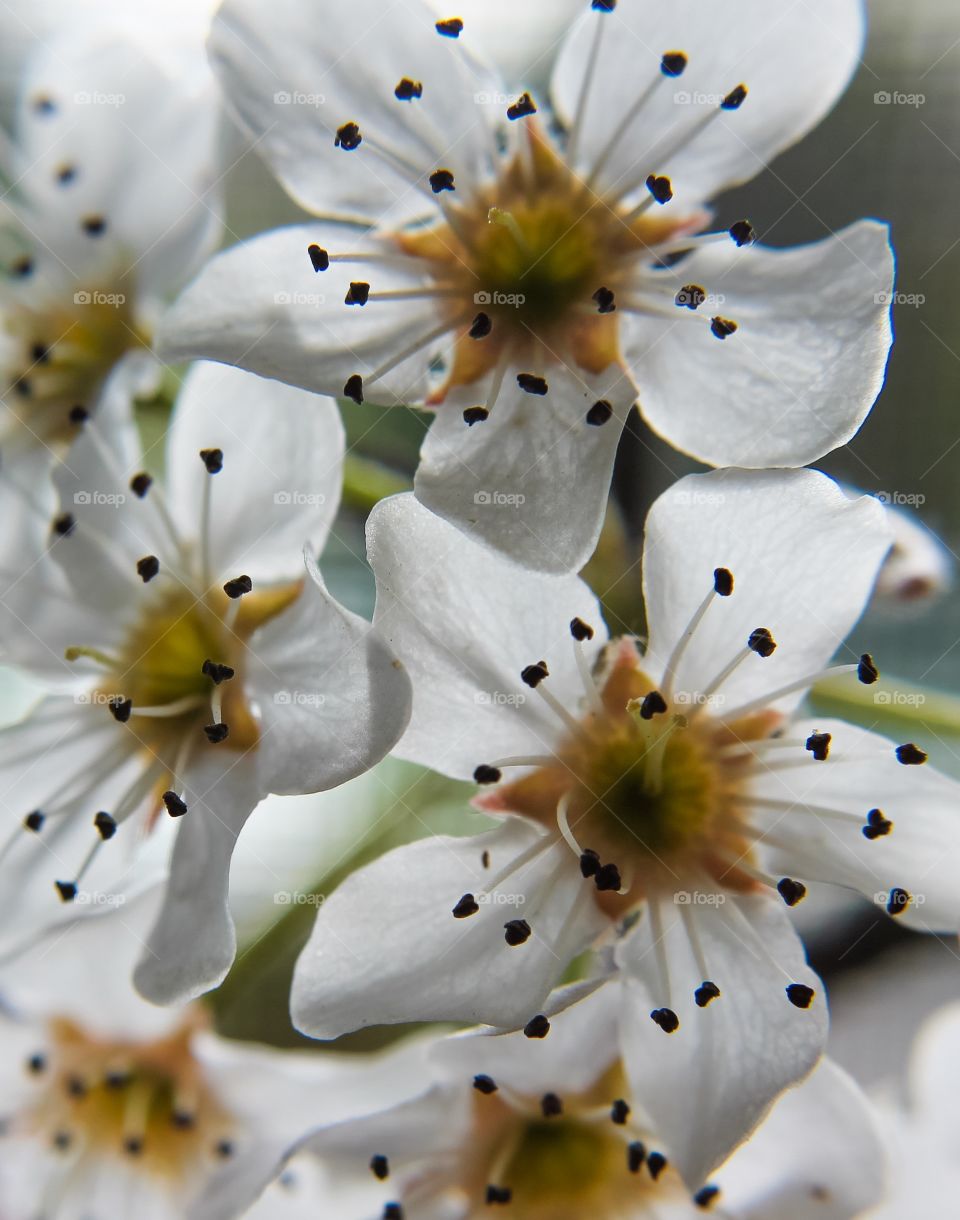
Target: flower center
column 60, row 357
column 566, row 1168
column 144, row 1101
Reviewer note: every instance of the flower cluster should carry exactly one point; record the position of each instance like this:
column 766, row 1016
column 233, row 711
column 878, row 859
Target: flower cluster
column 632, row 812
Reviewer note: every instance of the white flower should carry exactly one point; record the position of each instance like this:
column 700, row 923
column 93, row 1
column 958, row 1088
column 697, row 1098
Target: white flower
column 204, row 671
column 550, row 1129
column 115, row 161
column 530, row 291
column 114, row 1108
column 925, row 1178
column 919, row 568
column 672, row 783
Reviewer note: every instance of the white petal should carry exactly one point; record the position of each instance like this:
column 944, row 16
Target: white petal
column 192, row 945
column 733, row 1057
column 581, row 1045
column 333, row 698
column 795, row 63
column 531, row 480
column 860, row 773
column 260, row 305
column 797, row 378
column 803, row 557
column 282, row 473
column 295, row 80
column 386, row 947
column 150, row 170
column 465, row 623
column 817, row 1155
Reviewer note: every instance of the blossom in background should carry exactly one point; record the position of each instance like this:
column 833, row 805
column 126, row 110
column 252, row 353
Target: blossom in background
column 529, row 290
column 667, row 800
column 202, row 668
column 919, row 568
column 550, row 1129
column 925, row 1178
column 114, row 204
column 112, row 1107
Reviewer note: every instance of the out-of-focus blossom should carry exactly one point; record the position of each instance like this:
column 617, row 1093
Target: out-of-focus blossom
column 114, row 1108
column 530, row 290
column 202, row 668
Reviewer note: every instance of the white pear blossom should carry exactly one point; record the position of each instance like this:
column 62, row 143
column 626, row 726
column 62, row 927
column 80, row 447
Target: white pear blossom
column 114, row 165
column 529, row 289
column 199, row 666
column 669, row 800
column 115, row 1108
column 919, row 568
column 925, row 1132
column 551, row 1129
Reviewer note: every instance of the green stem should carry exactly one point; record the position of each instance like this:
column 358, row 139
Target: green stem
column 889, row 701
column 366, row 483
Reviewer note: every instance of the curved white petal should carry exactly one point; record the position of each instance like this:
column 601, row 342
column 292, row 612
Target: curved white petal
column 803, row 557
column 386, row 947
column 333, row 698
column 465, row 623
column 795, row 61
column 294, row 81
column 532, row 479
column 260, row 305
column 282, row 473
column 798, row 377
column 816, row 1156
column 581, row 1045
column 860, row 773
column 732, row 1057
column 192, row 944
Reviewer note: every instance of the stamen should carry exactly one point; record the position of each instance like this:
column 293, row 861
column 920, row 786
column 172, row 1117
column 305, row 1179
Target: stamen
column 563, row 824
column 722, row 587
column 538, row 1027
column 411, row 349
column 380, row 1167
column 764, row 701
column 665, row 1017
column 580, row 110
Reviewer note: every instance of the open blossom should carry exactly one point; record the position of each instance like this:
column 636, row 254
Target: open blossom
column 201, row 666
column 664, row 799
column 550, row 1129
column 115, row 159
column 114, row 1108
column 529, row 289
